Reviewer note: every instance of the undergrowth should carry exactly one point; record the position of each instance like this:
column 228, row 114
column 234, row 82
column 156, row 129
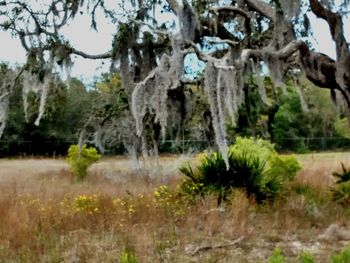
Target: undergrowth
column 254, row 166
column 341, row 191
column 148, row 220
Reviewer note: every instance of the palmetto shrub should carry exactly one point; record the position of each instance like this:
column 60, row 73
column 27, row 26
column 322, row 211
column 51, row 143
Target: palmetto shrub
column 254, row 166
column 343, row 176
column 341, row 191
column 245, row 171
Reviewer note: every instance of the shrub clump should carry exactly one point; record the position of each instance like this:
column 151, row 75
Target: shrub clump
column 277, row 257
column 342, row 257
column 80, row 160
column 341, row 191
column 254, row 166
column 285, row 166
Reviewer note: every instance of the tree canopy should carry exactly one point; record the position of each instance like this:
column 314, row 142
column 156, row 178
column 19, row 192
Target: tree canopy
column 234, row 39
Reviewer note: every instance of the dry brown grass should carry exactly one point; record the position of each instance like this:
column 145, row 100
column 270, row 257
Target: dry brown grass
column 48, row 217
column 318, row 168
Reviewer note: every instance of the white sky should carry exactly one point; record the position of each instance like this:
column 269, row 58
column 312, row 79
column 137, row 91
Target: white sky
column 89, row 41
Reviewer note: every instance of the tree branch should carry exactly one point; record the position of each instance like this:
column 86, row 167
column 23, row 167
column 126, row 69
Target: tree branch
column 335, row 24
column 174, row 5
column 196, row 250
column 224, row 41
column 239, row 11
column 334, row 21
column 199, row 54
column 236, row 10
column 88, row 56
column 263, row 8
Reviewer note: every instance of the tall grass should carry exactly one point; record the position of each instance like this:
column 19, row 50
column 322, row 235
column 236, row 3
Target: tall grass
column 47, row 217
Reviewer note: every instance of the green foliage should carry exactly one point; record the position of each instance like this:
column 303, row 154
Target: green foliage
column 302, row 188
column 123, row 33
column 289, row 123
column 65, row 113
column 342, row 257
column 341, row 191
column 285, row 167
column 342, row 127
column 284, row 120
column 200, row 6
column 344, row 176
column 306, row 257
column 288, row 166
column 125, row 257
column 80, row 160
column 171, row 201
column 190, row 187
column 259, row 147
column 277, row 257
column 254, row 166
column 253, row 115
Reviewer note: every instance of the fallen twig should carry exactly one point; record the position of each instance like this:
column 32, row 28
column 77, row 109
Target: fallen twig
column 196, row 250
column 335, row 232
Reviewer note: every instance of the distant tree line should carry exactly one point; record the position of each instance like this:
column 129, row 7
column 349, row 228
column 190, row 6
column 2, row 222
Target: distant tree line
column 102, row 113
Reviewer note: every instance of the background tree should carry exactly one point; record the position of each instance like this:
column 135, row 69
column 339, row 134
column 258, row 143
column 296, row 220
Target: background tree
column 64, row 115
column 233, row 38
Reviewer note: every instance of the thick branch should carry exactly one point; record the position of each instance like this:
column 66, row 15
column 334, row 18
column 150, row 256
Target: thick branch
column 263, row 8
column 334, row 21
column 23, row 41
column 232, row 9
column 319, row 68
column 191, row 81
column 335, row 24
column 211, row 29
column 199, row 54
column 85, row 55
column 283, row 53
column 174, row 5
column 224, row 41
column 239, row 11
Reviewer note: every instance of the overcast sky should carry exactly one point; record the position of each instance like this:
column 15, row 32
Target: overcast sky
column 84, row 39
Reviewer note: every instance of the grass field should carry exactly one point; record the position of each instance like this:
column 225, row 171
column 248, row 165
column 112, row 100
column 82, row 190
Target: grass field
column 123, row 215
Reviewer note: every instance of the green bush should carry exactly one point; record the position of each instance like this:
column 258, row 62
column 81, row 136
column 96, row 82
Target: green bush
column 341, row 192
column 254, row 166
column 259, row 147
column 190, row 187
column 277, row 257
column 342, row 257
column 125, row 257
column 306, row 257
column 286, row 166
column 245, row 172
column 278, row 165
column 343, row 176
column 342, row 127
column 80, row 160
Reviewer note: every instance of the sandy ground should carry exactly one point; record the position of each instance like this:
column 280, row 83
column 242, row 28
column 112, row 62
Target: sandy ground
column 166, row 165
column 10, row 168
column 33, row 174
column 108, row 166
column 49, row 176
